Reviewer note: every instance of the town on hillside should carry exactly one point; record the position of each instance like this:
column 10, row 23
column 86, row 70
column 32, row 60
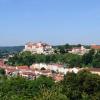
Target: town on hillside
column 56, row 70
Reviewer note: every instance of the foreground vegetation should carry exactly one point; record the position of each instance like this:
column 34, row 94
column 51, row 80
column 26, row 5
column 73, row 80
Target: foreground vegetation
column 81, row 86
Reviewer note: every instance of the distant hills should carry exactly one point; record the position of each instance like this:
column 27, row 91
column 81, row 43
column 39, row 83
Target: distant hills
column 12, row 48
column 5, row 51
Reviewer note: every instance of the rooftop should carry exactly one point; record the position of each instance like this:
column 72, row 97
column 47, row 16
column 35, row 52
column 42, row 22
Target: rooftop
column 95, row 47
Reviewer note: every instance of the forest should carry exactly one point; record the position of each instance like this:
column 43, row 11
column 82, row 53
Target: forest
column 80, row 86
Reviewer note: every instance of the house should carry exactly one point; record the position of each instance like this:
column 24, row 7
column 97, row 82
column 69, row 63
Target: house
column 29, row 75
column 22, row 68
column 37, row 72
column 79, row 50
column 95, row 47
column 46, row 72
column 75, row 70
column 58, row 68
column 55, row 67
column 94, row 70
column 2, row 63
column 38, row 66
column 58, row 77
column 10, row 70
column 38, row 48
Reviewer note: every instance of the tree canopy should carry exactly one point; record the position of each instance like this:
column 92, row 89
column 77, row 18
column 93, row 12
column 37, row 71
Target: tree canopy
column 80, row 86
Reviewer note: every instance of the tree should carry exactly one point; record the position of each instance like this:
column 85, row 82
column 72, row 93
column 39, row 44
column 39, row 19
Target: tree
column 2, row 71
column 23, row 58
column 81, row 86
column 96, row 60
column 88, row 57
column 79, row 45
column 62, row 50
column 53, row 94
column 18, row 88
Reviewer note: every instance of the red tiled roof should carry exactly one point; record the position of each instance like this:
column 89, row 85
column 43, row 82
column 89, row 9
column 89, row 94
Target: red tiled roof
column 23, row 67
column 9, row 69
column 1, row 62
column 30, row 46
column 95, row 47
column 58, row 77
column 94, row 69
column 28, row 73
column 45, row 71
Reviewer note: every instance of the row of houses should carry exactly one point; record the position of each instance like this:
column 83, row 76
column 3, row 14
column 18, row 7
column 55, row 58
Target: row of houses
column 82, row 50
column 32, row 74
column 54, row 67
column 23, row 71
column 56, row 71
column 79, row 50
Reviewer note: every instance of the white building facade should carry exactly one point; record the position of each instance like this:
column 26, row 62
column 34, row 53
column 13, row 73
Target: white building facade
column 39, row 48
column 79, row 50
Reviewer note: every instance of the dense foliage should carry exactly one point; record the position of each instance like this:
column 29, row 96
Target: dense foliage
column 91, row 59
column 81, row 86
column 26, row 58
column 2, row 72
column 18, row 88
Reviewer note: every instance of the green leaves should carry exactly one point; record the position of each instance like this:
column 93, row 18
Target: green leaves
column 26, row 58
column 18, row 88
column 81, row 86
column 2, row 71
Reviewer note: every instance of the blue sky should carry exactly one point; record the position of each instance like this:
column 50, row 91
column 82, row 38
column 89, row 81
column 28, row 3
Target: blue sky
column 51, row 21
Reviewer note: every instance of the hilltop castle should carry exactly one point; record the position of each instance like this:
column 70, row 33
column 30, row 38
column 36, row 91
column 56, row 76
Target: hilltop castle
column 39, row 48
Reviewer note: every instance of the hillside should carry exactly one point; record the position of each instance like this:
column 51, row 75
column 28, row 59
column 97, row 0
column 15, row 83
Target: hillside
column 5, row 51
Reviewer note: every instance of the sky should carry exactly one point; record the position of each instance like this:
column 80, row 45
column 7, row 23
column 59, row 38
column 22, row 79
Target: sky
column 51, row 21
